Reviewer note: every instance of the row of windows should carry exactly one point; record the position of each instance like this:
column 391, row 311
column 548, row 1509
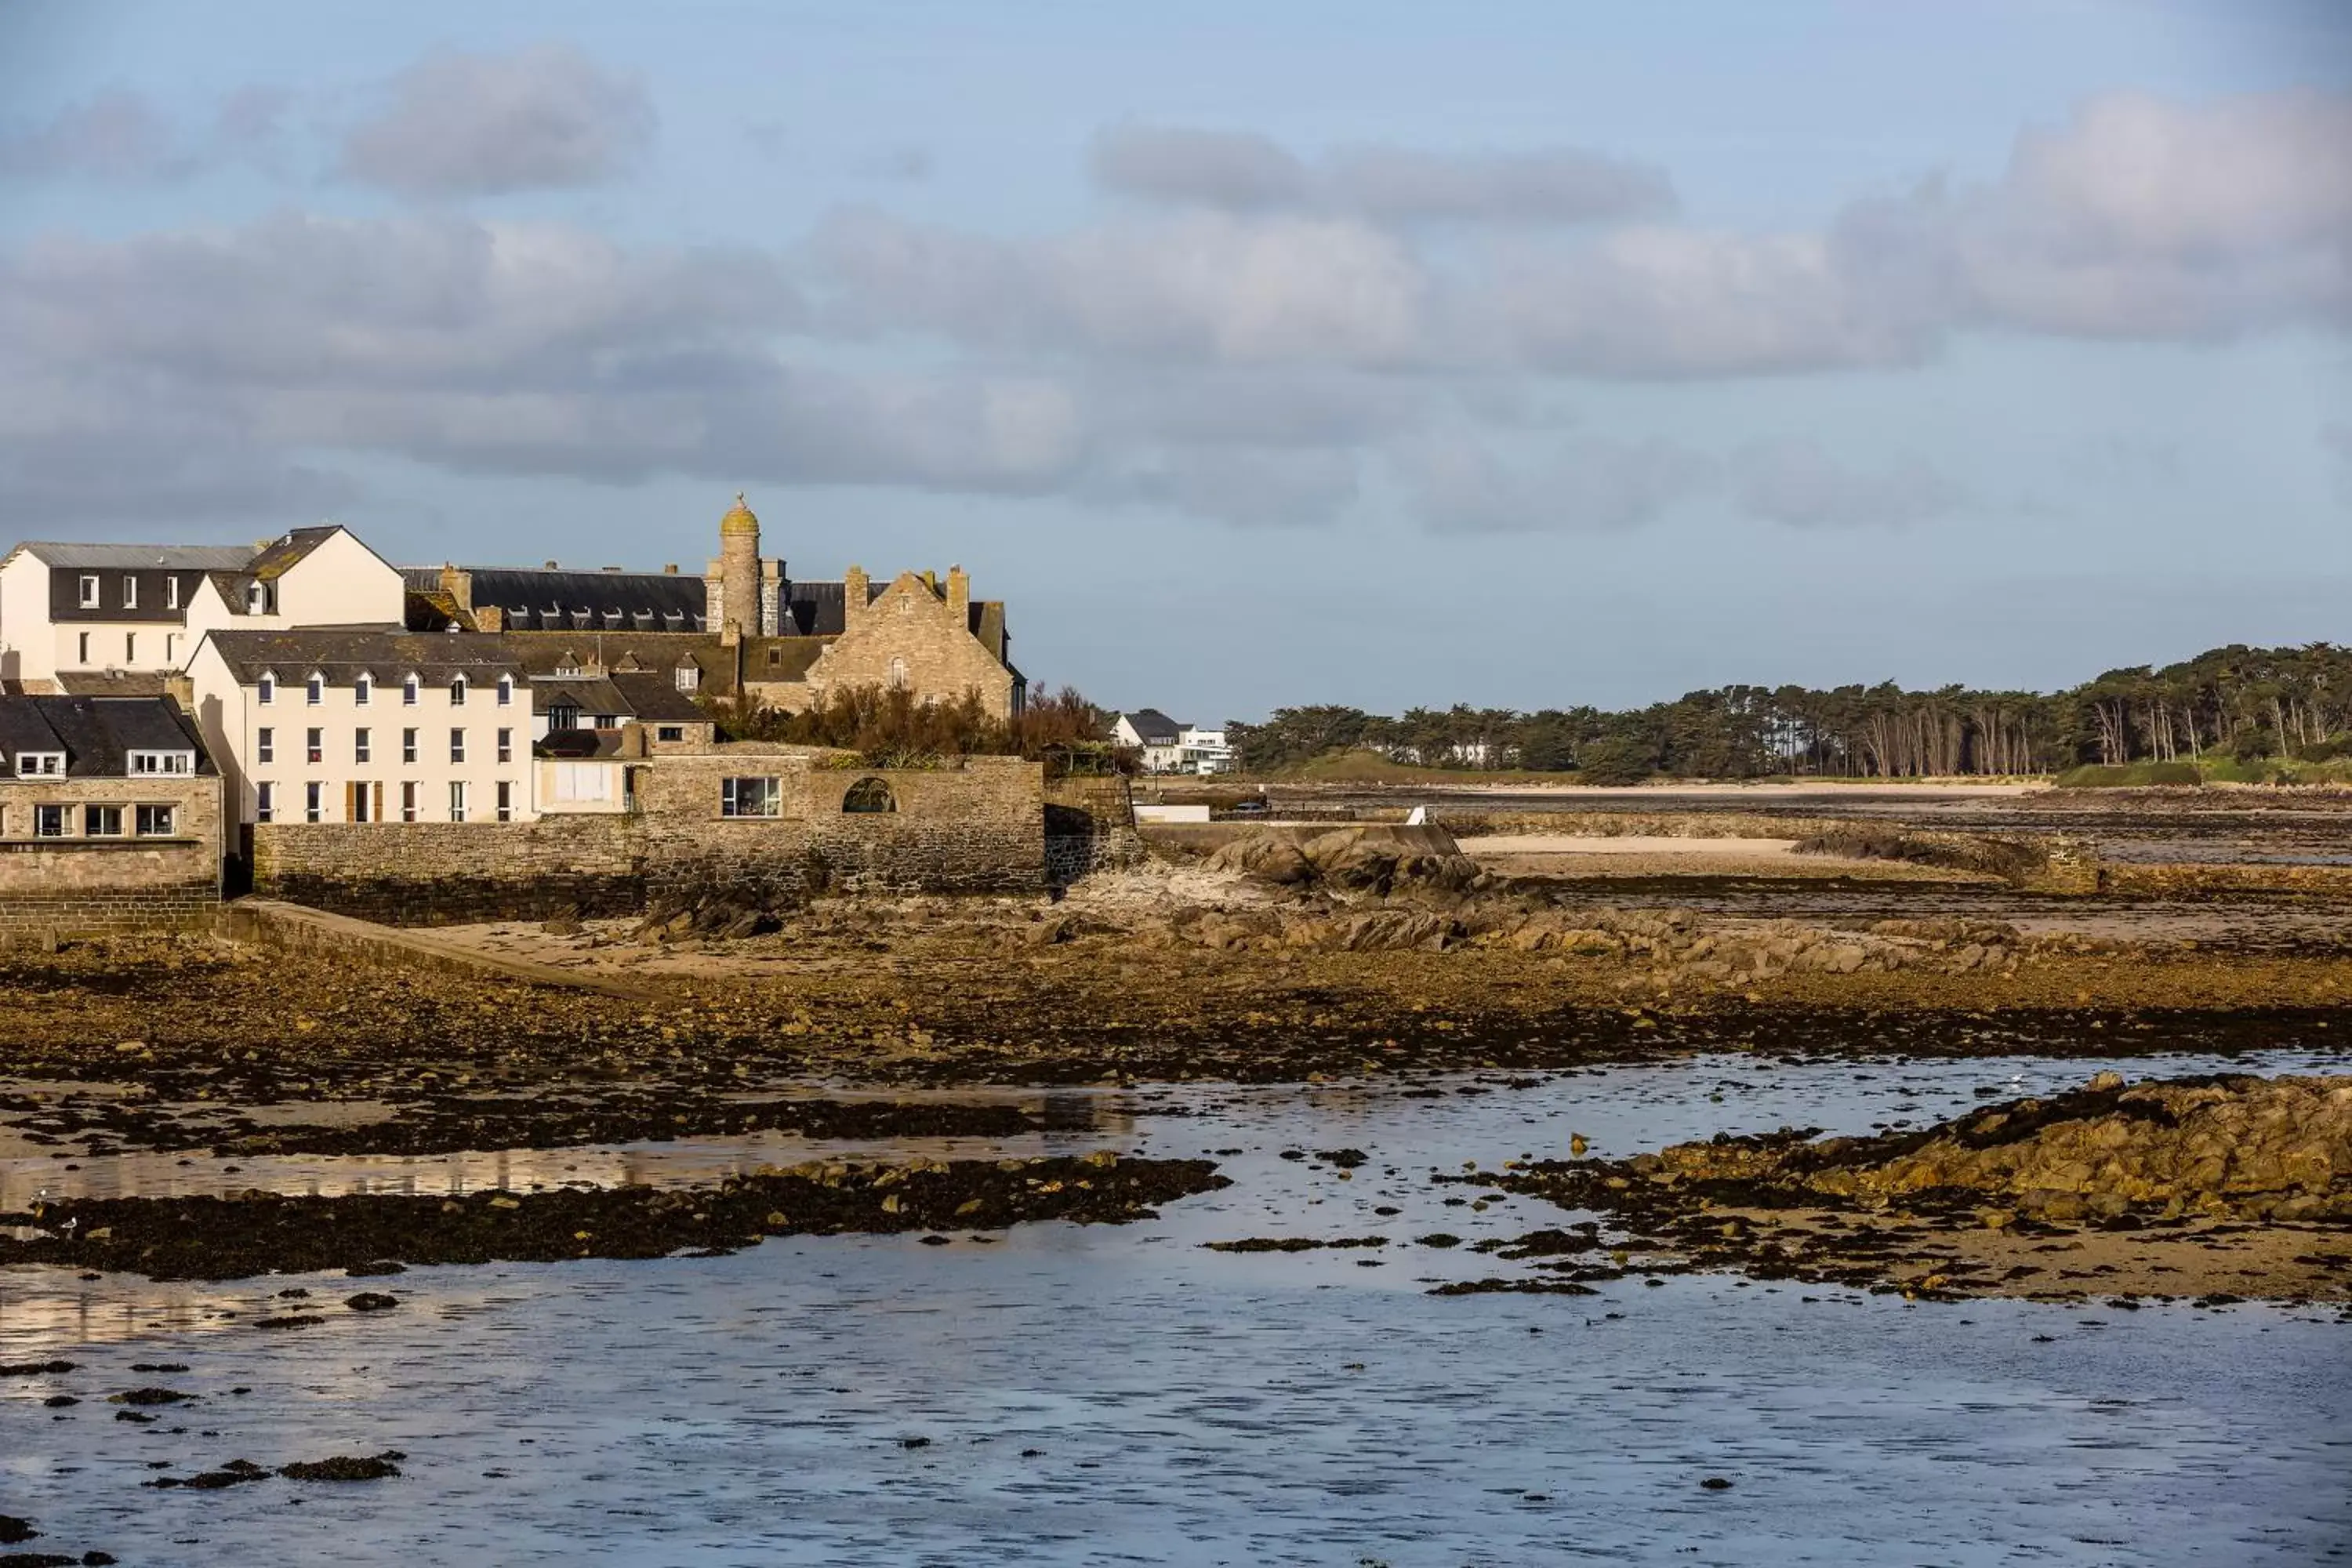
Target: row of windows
column 139, row 764
column 765, row 797
column 130, row 648
column 363, row 802
column 104, row 821
column 129, row 592
column 314, row 745
column 314, row 691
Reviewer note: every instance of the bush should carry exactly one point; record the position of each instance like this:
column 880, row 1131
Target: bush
column 2129, row 775
column 889, row 728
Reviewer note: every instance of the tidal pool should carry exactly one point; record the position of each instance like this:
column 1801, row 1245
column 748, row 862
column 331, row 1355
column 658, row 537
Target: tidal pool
column 1117, row 1394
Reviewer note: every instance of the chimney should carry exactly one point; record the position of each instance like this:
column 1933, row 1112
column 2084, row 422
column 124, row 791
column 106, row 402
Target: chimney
column 853, row 597
column 459, row 586
column 959, row 593
column 552, row 567
column 669, row 568
column 181, row 688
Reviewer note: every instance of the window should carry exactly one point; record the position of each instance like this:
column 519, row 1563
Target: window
column 868, row 796
column 155, row 821
column 171, row 592
column 361, row 747
column 457, row 745
column 312, row 792
column 264, row 690
column 171, row 642
column 49, row 822
column 506, row 691
column 456, row 800
column 257, row 598
column 265, row 744
column 750, row 797
column 264, row 802
column 362, row 690
column 408, row 692
column 130, row 647
column 408, row 800
column 457, row 692
column 506, row 746
column 563, row 715
column 81, row 647
column 356, row 802
column 669, row 732
column 582, row 782
column 314, row 743
column 129, row 592
column 146, row 764
column 102, row 821
column 897, row 671
column 314, row 691
column 408, row 748
column 90, row 591
column 688, row 676
column 40, row 765
column 506, row 801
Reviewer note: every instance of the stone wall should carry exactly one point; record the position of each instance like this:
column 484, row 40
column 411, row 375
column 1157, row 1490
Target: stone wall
column 88, row 887
column 979, row 828
column 926, row 633
column 1089, row 826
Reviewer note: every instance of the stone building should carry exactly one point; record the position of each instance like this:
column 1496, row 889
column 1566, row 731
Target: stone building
column 109, row 816
column 748, row 626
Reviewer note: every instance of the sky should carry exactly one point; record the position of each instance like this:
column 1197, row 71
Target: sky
column 1257, row 354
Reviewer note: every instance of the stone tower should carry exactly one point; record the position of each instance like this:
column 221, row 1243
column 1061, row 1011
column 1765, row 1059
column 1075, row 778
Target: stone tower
column 739, row 572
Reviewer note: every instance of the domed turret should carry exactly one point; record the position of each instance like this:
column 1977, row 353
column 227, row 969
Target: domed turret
column 740, row 519
column 739, row 570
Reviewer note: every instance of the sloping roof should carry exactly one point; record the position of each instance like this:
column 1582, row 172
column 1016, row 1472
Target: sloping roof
column 655, row 699
column 339, row 653
column 97, row 734
column 113, row 682
column 138, row 557
column 283, row 553
column 588, row 601
column 1155, row 727
column 592, row 695
column 781, row 659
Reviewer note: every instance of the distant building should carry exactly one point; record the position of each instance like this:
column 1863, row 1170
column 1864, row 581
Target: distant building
column 109, row 816
column 113, row 619
column 1169, row 746
column 752, row 628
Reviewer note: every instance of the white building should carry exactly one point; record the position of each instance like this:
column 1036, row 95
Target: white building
column 366, row 725
column 1170, row 746
column 105, row 618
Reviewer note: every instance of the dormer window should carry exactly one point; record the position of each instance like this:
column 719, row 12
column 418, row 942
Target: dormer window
column 568, row 665
column 90, row 591
column 362, row 689
column 40, row 765
column 613, row 619
column 264, row 690
column 565, row 714
column 171, row 592
column 314, row 690
column 148, row 764
column 688, row 676
column 506, row 691
column 257, row 598
column 457, row 691
column 408, row 685
column 129, row 592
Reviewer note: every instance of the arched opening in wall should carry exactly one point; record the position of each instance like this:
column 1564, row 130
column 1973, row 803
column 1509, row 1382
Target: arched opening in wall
column 897, row 675
column 869, row 795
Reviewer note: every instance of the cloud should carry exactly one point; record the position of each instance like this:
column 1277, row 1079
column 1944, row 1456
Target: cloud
column 1794, row 482
column 1250, row 487
column 2338, row 439
column 1457, row 482
column 458, row 124
column 117, row 137
column 1251, row 172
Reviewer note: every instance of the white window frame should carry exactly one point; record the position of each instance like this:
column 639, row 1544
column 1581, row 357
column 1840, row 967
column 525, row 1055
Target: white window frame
column 457, row 745
column 456, row 691
column 129, row 592
column 91, row 818
column 408, row 747
column 765, row 802
column 152, row 764
column 40, row 765
column 506, row 691
column 456, row 800
column 52, row 812
column 409, row 687
column 170, row 591
column 314, row 690
column 89, row 594
column 506, row 800
column 362, row 690
column 314, row 802
column 408, row 800
column 314, row 743
column 265, row 801
column 265, row 744
column 140, row 829
column 265, row 688
column 363, row 744
column 506, row 745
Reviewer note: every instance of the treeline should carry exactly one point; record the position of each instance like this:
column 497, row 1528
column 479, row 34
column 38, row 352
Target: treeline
column 890, row 727
column 2238, row 702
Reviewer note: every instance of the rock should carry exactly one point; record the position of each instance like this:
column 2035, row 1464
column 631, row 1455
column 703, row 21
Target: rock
column 2102, row 1082
column 371, row 1301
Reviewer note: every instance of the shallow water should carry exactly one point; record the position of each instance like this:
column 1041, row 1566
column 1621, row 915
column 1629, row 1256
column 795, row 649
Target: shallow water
column 1116, row 1394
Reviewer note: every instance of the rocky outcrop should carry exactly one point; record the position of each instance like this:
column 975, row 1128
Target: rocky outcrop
column 1375, row 860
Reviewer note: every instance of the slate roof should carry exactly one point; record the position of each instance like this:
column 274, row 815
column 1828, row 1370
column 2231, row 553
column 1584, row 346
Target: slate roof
column 113, row 682
column 97, row 734
column 588, row 601
column 1156, row 728
column 655, row 699
column 341, row 653
column 281, row 553
column 138, row 557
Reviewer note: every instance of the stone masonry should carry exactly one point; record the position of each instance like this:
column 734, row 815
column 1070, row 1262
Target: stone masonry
column 79, row 885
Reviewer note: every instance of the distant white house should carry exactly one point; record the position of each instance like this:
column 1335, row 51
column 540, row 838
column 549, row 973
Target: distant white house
column 1169, row 746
